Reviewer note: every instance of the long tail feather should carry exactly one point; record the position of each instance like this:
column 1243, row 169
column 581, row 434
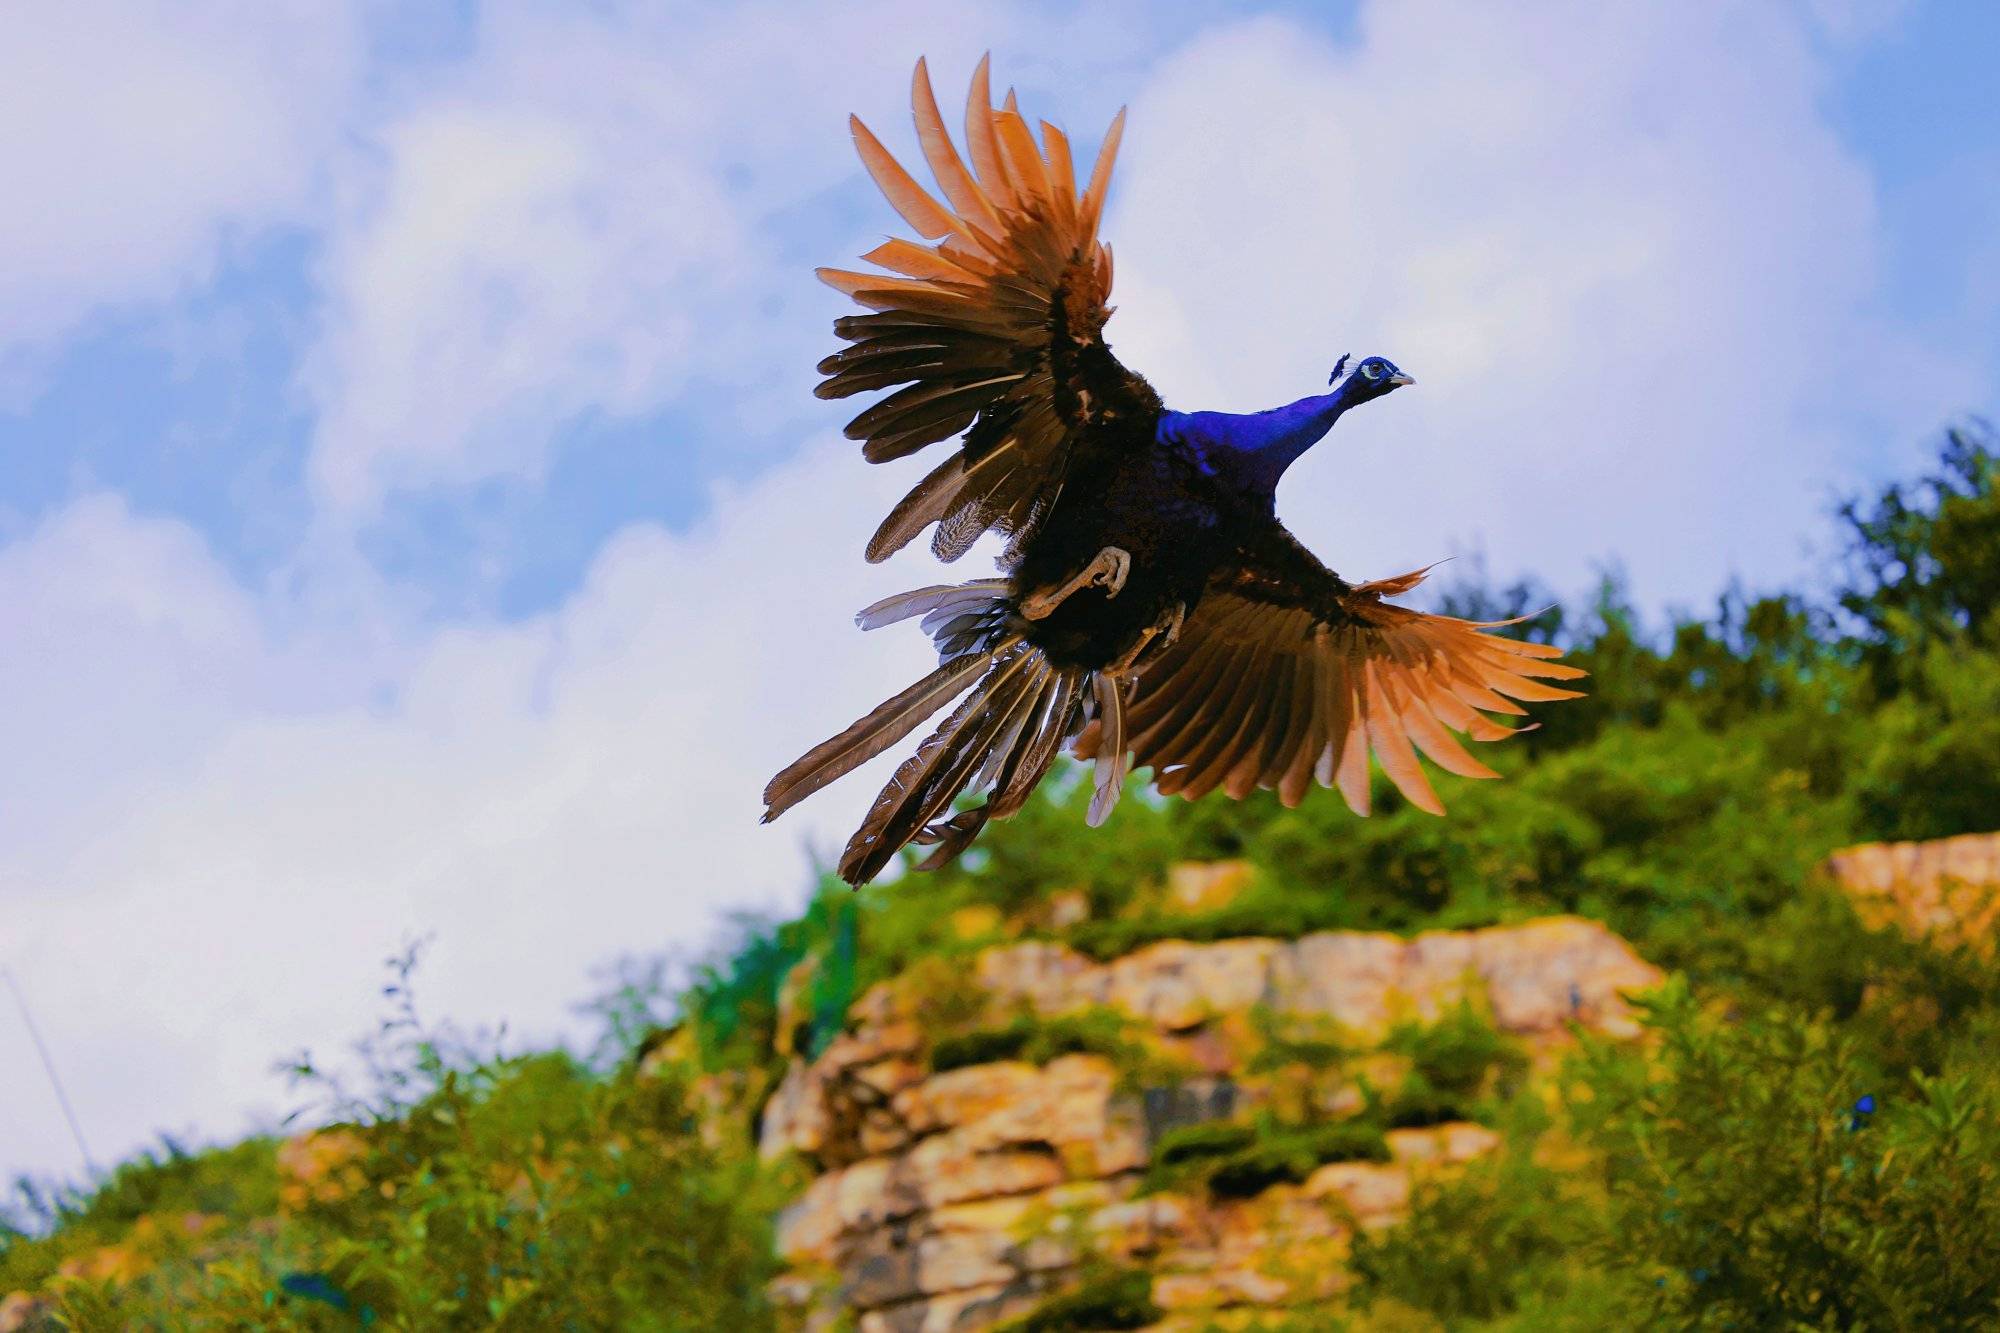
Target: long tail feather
column 889, row 723
column 1112, row 754
column 1017, row 712
column 929, row 780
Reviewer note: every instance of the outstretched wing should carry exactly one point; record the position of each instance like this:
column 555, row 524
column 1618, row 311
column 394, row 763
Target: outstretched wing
column 996, row 325
column 1285, row 673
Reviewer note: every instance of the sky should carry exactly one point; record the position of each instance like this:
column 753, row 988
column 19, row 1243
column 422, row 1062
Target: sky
column 416, row 521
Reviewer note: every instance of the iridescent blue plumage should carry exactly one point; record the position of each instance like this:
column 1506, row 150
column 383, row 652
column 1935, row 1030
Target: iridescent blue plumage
column 1251, row 450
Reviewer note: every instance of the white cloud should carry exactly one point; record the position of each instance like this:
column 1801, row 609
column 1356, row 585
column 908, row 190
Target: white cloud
column 1629, row 264
column 544, row 795
column 591, row 217
column 140, row 138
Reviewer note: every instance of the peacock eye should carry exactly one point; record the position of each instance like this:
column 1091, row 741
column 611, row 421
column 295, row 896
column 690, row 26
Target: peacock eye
column 1372, row 369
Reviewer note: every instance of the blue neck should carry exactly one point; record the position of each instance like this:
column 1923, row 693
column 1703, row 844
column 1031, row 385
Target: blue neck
column 1252, row 450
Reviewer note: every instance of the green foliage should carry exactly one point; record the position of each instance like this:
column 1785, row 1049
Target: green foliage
column 1925, row 559
column 1260, row 911
column 1767, row 1173
column 1236, row 1161
column 1029, row 1036
column 1289, row 1156
column 526, row 1193
column 1458, row 1066
column 465, row 1190
column 1285, row 1040
column 233, row 1184
column 1196, row 1143
column 1113, row 1298
column 1928, row 768
column 1754, row 1170
column 1479, row 1245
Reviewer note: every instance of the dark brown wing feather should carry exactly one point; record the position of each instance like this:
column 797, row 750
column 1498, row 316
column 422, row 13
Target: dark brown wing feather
column 994, row 329
column 1285, row 673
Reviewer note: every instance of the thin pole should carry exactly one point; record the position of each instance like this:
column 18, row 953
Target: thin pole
column 49, row 1064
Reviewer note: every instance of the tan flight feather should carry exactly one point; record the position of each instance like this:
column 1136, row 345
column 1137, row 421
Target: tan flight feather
column 957, row 183
column 919, row 261
column 898, row 186
column 980, row 143
column 1092, row 208
column 1435, row 740
column 1024, row 160
column 1392, row 747
column 1062, row 172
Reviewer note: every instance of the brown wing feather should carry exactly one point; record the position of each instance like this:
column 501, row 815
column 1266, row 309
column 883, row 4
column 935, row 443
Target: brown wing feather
column 992, row 329
column 1285, row 674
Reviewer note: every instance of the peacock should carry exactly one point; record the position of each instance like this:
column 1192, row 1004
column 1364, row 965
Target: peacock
column 1150, row 610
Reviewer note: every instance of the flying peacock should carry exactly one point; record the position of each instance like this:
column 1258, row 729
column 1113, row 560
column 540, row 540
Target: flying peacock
column 1151, row 611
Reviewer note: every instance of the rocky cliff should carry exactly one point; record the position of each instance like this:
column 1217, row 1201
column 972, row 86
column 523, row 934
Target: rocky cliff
column 1191, row 1130
column 1947, row 889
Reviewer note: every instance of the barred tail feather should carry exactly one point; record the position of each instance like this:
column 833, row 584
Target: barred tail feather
column 1016, row 711
column 1001, row 739
column 882, row 728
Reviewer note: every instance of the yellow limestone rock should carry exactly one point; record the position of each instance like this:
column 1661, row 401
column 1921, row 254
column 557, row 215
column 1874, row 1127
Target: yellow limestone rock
column 954, row 1200
column 1203, row 886
column 1373, row 1193
column 1948, row 888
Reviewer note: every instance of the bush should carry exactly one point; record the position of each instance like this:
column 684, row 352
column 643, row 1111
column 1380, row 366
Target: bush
column 168, row 1185
column 1476, row 1246
column 473, row 1191
column 1767, row 1172
column 1250, row 1172
column 1196, row 1143
column 1460, row 1067
column 1114, row 1299
column 1233, row 1160
column 1031, row 1037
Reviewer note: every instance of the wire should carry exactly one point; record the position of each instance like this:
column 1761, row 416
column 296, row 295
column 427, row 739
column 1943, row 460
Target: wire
column 49, row 1064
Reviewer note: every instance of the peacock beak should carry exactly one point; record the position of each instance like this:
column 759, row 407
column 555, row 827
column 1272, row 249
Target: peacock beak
column 1399, row 378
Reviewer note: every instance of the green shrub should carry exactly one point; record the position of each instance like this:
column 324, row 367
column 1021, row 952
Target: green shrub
column 1345, row 1141
column 1767, row 1172
column 1036, row 1039
column 232, row 1184
column 528, row 1192
column 1476, row 1246
column 1459, row 1053
column 1285, row 1040
column 1460, row 1067
column 1256, row 1168
column 1195, row 1143
column 1235, row 1160
column 1118, row 1298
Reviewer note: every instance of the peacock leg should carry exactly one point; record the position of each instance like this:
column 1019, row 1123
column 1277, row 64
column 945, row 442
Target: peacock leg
column 1156, row 637
column 1108, row 571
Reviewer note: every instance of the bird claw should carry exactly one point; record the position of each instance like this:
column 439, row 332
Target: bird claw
column 1155, row 638
column 1108, row 571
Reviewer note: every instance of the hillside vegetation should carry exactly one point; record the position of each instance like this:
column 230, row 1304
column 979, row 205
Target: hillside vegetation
column 1810, row 1138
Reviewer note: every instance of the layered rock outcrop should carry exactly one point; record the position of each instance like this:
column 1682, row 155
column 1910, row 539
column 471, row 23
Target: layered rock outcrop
column 953, row 1199
column 1948, row 889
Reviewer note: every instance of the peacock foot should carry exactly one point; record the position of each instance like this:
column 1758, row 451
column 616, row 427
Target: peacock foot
column 1155, row 638
column 1107, row 571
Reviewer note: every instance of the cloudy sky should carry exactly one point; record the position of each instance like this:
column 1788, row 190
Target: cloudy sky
column 415, row 518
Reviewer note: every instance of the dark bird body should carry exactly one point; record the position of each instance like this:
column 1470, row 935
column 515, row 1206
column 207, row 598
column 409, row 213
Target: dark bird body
column 1153, row 610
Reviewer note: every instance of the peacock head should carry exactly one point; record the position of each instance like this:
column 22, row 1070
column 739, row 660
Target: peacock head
column 1373, row 377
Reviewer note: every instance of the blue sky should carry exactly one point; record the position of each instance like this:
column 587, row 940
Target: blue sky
column 414, row 515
